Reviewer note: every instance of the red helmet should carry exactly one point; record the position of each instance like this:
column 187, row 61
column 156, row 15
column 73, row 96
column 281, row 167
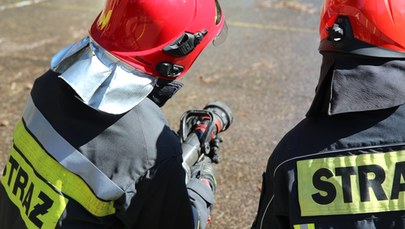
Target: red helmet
column 363, row 27
column 161, row 38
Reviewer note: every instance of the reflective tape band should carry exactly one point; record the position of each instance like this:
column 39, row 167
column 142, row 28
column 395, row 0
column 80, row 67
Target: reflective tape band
column 67, row 155
column 57, row 175
column 40, row 205
column 352, row 184
column 304, row 226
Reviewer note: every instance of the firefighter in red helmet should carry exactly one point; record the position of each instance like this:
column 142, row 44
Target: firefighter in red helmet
column 343, row 166
column 93, row 149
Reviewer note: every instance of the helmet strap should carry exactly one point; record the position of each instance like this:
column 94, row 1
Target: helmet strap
column 164, row 90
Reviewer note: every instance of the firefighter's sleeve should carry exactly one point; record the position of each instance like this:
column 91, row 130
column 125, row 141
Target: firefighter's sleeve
column 202, row 199
column 161, row 199
column 201, row 189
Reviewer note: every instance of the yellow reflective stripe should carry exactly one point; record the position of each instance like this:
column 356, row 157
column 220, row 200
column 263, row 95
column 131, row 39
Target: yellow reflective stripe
column 40, row 205
column 354, row 184
column 64, row 180
column 304, row 226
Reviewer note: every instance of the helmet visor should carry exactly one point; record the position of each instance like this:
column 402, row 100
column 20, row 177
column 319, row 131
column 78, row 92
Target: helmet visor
column 218, row 17
column 222, row 35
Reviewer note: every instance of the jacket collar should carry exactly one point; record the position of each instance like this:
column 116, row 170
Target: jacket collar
column 351, row 83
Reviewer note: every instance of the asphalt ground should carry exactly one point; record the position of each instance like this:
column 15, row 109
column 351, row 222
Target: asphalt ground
column 266, row 72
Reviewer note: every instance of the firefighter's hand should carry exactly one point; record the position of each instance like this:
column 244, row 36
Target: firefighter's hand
column 205, row 172
column 215, row 153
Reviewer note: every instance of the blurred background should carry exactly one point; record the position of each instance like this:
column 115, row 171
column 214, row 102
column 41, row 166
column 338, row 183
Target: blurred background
column 266, row 72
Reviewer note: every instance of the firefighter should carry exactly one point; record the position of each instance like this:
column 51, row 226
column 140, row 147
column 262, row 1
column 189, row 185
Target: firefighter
column 93, row 149
column 343, row 166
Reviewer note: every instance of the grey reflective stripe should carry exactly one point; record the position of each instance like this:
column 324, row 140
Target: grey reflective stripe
column 67, row 155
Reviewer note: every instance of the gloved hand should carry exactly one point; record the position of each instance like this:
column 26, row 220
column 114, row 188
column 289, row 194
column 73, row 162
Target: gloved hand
column 204, row 171
column 215, row 153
